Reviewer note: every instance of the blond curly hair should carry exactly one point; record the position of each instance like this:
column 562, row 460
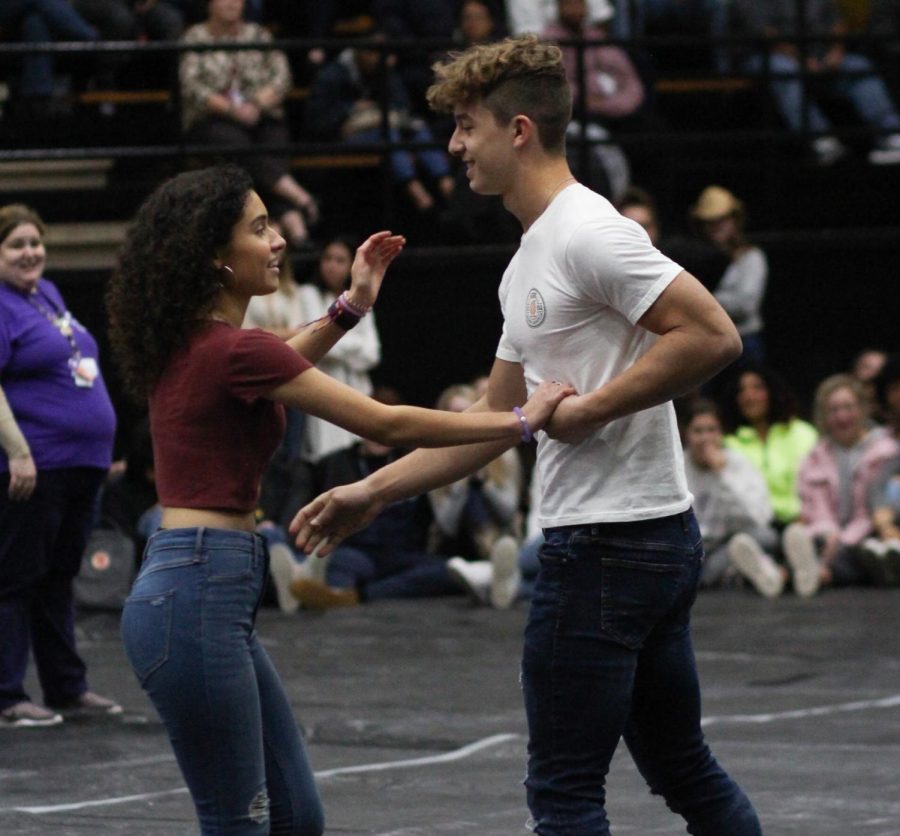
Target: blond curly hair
column 514, row 76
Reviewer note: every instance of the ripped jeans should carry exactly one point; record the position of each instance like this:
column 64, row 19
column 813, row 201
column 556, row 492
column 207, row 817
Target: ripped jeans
column 608, row 655
column 189, row 633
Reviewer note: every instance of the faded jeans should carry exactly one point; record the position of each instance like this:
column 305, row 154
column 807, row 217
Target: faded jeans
column 188, row 628
column 608, row 654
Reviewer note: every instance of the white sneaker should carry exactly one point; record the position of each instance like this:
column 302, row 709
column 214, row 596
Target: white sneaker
column 828, row 150
column 282, row 569
column 755, row 565
column 800, row 552
column 473, row 577
column 887, row 152
column 506, row 576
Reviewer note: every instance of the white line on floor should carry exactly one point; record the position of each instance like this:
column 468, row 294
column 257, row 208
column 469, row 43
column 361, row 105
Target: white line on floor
column 446, row 757
column 801, row 713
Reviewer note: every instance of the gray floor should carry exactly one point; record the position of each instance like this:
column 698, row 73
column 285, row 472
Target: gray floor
column 416, row 727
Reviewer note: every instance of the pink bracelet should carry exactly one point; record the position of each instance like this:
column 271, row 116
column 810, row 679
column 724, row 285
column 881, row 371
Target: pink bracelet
column 356, row 310
column 527, row 434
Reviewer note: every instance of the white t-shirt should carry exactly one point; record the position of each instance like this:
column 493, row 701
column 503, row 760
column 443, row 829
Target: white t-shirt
column 571, row 297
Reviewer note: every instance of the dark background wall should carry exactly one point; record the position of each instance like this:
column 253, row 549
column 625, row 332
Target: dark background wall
column 830, row 295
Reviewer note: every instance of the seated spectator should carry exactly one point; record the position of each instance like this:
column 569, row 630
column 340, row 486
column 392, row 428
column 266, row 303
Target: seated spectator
column 335, row 19
column 866, row 367
column 887, row 394
column 534, row 15
column 848, row 75
column 128, row 499
column 479, row 514
column 637, row 204
column 387, row 559
column 834, row 483
column 282, row 313
column 115, row 20
column 344, row 105
column 742, row 286
column 731, row 501
column 416, row 20
column 884, row 23
column 510, row 573
column 479, row 22
column 235, row 98
column 759, row 415
column 35, row 21
column 879, row 554
column 612, row 94
column 351, row 359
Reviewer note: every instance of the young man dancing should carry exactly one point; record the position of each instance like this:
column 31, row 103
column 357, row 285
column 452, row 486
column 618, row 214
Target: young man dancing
column 589, row 301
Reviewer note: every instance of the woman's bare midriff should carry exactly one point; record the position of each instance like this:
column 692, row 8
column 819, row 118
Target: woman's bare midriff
column 196, row 517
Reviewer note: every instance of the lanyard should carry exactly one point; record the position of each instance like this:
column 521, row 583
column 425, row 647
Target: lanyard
column 61, row 320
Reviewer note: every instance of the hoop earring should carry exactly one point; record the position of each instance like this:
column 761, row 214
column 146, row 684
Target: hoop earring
column 226, row 267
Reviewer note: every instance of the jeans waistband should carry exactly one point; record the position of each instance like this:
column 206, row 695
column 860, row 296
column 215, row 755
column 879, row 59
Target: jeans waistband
column 612, row 529
column 204, row 540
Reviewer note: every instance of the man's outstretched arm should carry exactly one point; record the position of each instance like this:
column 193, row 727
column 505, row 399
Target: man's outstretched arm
column 340, row 512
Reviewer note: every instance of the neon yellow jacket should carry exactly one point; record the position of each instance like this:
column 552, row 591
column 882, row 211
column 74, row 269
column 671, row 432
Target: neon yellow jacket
column 778, row 456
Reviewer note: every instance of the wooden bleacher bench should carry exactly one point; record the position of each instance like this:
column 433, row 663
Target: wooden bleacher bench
column 706, row 84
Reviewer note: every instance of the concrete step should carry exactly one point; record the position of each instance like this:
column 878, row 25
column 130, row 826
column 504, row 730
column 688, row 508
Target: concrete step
column 84, row 246
column 53, row 175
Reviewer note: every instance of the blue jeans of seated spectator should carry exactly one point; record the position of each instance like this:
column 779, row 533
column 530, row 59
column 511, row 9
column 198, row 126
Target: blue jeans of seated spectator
column 389, row 574
column 867, row 93
column 188, row 629
column 403, row 163
column 40, row 21
column 608, row 654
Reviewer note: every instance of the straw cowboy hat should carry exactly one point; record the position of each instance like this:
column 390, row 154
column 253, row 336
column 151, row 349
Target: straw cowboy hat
column 714, row 203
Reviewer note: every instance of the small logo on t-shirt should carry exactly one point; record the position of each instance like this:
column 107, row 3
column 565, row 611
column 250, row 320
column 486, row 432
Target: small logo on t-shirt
column 534, row 308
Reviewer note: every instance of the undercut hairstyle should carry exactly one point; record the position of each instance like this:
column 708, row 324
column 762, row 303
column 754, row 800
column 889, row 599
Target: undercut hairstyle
column 514, row 76
column 165, row 280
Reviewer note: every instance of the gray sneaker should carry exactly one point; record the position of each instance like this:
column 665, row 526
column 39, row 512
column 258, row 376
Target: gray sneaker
column 26, row 714
column 747, row 556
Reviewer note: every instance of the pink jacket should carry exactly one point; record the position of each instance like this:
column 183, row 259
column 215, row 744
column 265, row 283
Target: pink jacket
column 817, row 483
column 614, row 88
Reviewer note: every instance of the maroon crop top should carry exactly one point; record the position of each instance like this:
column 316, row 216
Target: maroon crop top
column 213, row 429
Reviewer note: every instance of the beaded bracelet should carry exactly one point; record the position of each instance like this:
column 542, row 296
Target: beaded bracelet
column 355, row 309
column 527, row 434
column 343, row 313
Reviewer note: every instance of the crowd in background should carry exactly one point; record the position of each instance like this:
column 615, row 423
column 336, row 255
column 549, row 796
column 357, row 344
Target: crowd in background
column 814, row 522
column 790, row 497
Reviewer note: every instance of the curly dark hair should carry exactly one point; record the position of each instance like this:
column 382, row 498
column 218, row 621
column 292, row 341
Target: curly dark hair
column 782, row 402
column 165, row 279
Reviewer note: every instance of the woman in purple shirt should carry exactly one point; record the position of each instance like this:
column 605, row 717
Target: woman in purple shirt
column 56, row 433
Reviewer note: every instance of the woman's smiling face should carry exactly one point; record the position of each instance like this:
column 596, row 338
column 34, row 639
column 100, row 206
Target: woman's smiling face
column 22, row 257
column 254, row 253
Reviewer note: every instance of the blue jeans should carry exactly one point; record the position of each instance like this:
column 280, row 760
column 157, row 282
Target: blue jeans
column 40, row 21
column 608, row 654
column 866, row 93
column 390, row 573
column 188, row 628
column 403, row 163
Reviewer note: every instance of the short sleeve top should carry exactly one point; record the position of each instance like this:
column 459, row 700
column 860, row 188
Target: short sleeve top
column 213, row 428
